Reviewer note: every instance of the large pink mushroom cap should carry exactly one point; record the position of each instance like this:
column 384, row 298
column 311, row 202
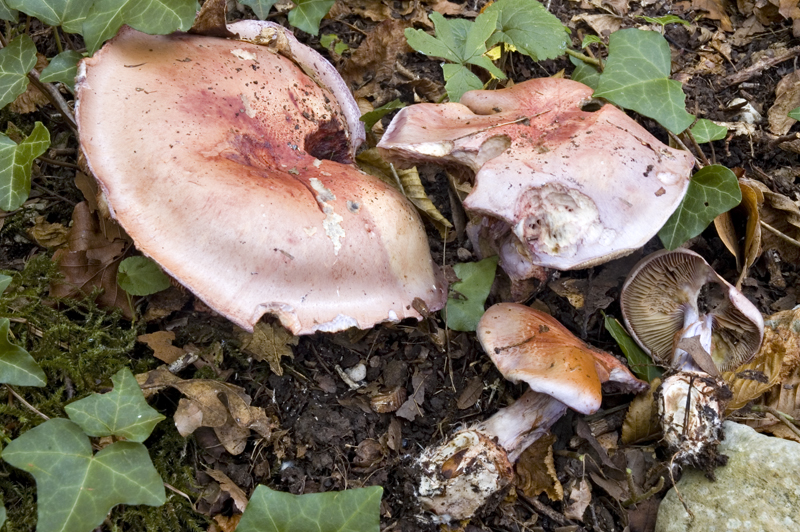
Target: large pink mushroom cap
column 226, row 164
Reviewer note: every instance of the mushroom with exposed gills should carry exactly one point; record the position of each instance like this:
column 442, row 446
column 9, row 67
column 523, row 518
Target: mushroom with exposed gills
column 554, row 186
column 681, row 312
column 227, row 162
column 459, row 476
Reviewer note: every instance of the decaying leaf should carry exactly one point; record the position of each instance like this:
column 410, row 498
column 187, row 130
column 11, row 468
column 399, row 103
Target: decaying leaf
column 641, row 423
column 226, row 484
column 30, row 100
column 413, row 406
column 716, row 11
column 603, row 25
column 269, row 342
column 471, row 394
column 407, row 181
column 536, row 470
column 48, row 235
column 782, row 214
column 580, row 496
column 787, row 97
column 110, row 228
column 161, row 344
column 225, row 523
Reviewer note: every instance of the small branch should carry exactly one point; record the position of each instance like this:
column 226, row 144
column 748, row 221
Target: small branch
column 55, row 162
column 58, row 101
column 586, row 59
column 546, row 510
column 782, row 236
column 26, row 403
column 683, row 146
column 697, row 147
column 759, row 66
column 783, row 417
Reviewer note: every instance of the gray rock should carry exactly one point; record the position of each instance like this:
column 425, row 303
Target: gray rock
column 759, row 489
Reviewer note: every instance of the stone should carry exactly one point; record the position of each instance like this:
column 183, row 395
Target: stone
column 758, row 490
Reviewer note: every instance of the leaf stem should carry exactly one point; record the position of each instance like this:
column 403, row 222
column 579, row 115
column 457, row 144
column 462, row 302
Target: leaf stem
column 586, row 58
column 58, row 39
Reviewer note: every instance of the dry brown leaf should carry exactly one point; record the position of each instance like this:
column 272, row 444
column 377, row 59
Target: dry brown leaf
column 451, row 9
column 188, row 417
column 641, row 421
column 716, row 11
column 374, row 10
column 161, row 344
column 471, row 394
column 603, row 25
column 413, row 406
column 232, row 437
column 211, row 20
column 787, row 97
column 88, row 186
column 48, row 235
column 30, row 100
column 572, row 289
column 745, row 32
column 580, row 497
column 536, row 471
column 269, row 342
column 694, row 347
column 783, row 214
column 225, row 523
column 237, row 494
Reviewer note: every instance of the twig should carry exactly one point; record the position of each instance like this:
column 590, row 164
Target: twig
column 55, row 162
column 26, row 403
column 547, row 511
column 58, row 101
column 783, row 417
column 697, row 147
column 783, row 138
column 759, row 66
column 779, row 234
column 683, row 146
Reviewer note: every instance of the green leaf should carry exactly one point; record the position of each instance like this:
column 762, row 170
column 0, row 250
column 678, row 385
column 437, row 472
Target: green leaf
column 529, row 27
column 372, row 117
column 122, row 412
column 585, row 73
column 640, row 362
column 308, row 14
column 2, row 515
column 666, row 19
column 69, row 14
column 430, row 45
column 712, row 191
column 260, row 7
column 705, row 131
column 17, row 366
column 140, row 276
column 465, row 305
column 458, row 80
column 794, row 113
column 75, row 489
column 150, row 16
column 15, row 166
column 636, row 76
column 355, row 510
column 589, row 40
column 63, row 68
column 16, row 60
column 6, row 13
column 5, row 280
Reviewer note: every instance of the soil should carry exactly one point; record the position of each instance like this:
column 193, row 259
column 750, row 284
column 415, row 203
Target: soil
column 330, row 438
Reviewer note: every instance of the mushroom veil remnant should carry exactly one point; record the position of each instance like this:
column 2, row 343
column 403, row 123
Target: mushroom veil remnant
column 556, row 186
column 227, row 163
column 681, row 312
column 461, row 474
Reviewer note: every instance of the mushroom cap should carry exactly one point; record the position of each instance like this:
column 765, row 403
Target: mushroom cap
column 575, row 188
column 530, row 346
column 669, row 290
column 213, row 154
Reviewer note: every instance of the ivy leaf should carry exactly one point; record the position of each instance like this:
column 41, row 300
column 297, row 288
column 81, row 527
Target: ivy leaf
column 16, row 60
column 63, row 68
column 640, row 362
column 150, row 16
column 458, row 80
column 122, row 412
column 794, row 113
column 17, row 366
column 585, row 73
column 372, row 117
column 355, row 510
column 666, row 19
column 5, row 280
column 69, row 14
column 636, row 76
column 589, row 40
column 529, row 27
column 6, row 13
column 465, row 305
column 141, row 276
column 705, row 131
column 15, row 166
column 75, row 489
column 712, row 191
column 308, row 14
column 260, row 7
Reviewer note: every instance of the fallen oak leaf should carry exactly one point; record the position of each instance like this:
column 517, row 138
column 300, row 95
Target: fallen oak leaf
column 269, row 342
column 226, row 484
column 161, row 344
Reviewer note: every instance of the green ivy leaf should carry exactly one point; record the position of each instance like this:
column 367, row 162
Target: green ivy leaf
column 5, row 280
column 705, row 131
column 150, row 16
column 529, row 27
column 640, row 362
column 458, row 80
column 794, row 113
column 15, row 166
column 589, row 40
column 585, row 73
column 260, row 7
column 355, row 510
column 308, row 14
column 465, row 306
column 331, row 39
column 140, row 276
column 63, row 68
column 666, row 19
column 16, row 60
column 712, row 191
column 69, row 14
column 372, row 117
column 6, row 13
column 636, row 76
column 17, row 366
column 122, row 412
column 75, row 489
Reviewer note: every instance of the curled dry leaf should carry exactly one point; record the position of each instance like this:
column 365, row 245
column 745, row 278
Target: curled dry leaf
column 48, row 235
column 536, row 470
column 161, row 344
column 787, row 97
column 781, row 213
column 580, row 497
column 226, row 484
column 269, row 342
column 641, row 422
column 716, row 11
